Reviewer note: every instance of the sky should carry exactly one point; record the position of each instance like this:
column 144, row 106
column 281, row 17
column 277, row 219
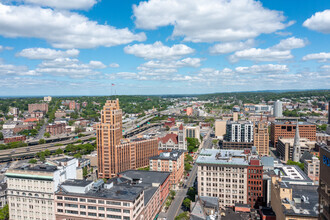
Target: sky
column 131, row 47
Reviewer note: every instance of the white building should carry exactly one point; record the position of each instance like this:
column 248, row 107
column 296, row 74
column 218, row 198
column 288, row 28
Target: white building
column 278, row 109
column 241, row 131
column 31, row 188
column 47, row 98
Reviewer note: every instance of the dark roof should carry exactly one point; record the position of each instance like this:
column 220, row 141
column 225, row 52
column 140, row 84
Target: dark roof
column 306, row 156
column 146, row 176
column 39, row 167
column 77, row 182
column 173, row 155
column 308, row 206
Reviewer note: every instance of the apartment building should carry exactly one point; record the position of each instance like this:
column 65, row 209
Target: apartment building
column 31, row 190
column 324, row 187
column 234, row 176
column 172, row 162
column 55, row 129
column 38, row 107
column 288, row 130
column 133, row 195
column 241, row 131
column 261, row 138
column 114, row 153
column 3, row 195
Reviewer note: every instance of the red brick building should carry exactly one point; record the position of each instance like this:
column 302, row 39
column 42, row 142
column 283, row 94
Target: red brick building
column 14, row 139
column 38, row 106
column 288, row 130
column 254, row 181
column 55, row 129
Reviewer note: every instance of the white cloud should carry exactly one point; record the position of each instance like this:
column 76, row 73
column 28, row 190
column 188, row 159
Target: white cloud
column 267, row 69
column 5, row 48
column 321, row 57
column 290, row 43
column 62, row 4
column 114, row 65
column 230, row 47
column 279, row 52
column 70, row 67
column 209, row 20
column 62, row 29
column 320, row 21
column 158, row 51
column 47, row 53
column 13, row 70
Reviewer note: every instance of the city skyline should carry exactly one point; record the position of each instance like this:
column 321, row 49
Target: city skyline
column 162, row 47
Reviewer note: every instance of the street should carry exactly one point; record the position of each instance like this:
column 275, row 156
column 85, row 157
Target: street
column 175, row 208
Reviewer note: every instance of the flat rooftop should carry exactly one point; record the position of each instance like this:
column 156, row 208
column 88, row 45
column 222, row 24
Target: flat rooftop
column 173, row 155
column 146, row 176
column 292, row 123
column 38, row 167
column 76, row 182
column 225, row 157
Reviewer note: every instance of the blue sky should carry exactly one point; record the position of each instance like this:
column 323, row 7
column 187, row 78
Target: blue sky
column 81, row 47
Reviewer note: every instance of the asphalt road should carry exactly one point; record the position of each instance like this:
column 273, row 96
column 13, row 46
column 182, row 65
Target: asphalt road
column 175, row 207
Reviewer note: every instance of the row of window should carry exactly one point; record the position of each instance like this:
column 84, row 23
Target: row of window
column 94, row 201
column 93, row 214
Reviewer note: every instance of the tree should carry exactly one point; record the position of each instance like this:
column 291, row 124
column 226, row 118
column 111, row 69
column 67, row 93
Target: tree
column 186, row 203
column 59, row 151
column 85, row 171
column 33, row 161
column 301, row 165
column 4, row 212
column 192, row 192
column 182, row 216
column 42, row 141
column 1, row 136
column 172, row 193
column 47, row 152
column 187, row 166
column 77, row 155
column 47, row 135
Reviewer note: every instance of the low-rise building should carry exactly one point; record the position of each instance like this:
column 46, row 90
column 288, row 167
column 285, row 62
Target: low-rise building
column 172, row 162
column 132, row 195
column 193, row 132
column 11, row 139
column 55, row 129
column 285, row 147
column 290, row 201
column 311, row 166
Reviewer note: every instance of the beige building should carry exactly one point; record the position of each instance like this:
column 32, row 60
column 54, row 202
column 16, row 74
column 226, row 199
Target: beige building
column 47, row 99
column 285, row 147
column 193, row 132
column 225, row 174
column 235, row 116
column 115, row 154
column 220, row 128
column 261, row 138
column 290, row 201
column 312, row 168
column 31, row 188
column 172, row 162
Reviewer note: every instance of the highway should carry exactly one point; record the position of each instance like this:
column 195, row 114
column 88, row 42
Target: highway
column 10, row 154
column 175, row 207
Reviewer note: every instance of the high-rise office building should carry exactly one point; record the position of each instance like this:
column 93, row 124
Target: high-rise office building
column 278, row 109
column 261, row 138
column 114, row 153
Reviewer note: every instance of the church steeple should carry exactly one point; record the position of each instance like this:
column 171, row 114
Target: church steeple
column 296, row 145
